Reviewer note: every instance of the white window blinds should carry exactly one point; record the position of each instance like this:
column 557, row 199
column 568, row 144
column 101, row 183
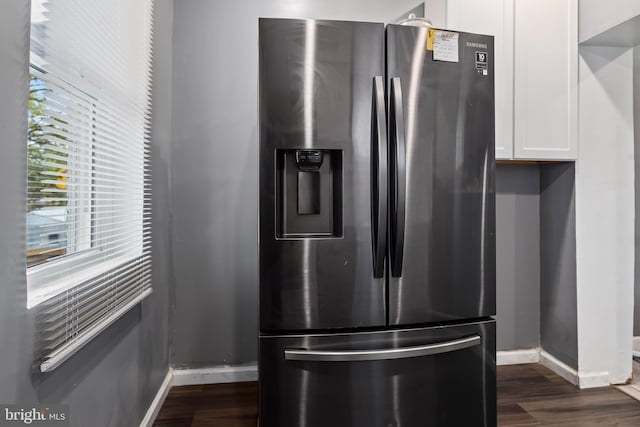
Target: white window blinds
column 88, row 190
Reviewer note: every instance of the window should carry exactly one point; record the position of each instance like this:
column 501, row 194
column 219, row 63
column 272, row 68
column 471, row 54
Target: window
column 59, row 185
column 88, row 195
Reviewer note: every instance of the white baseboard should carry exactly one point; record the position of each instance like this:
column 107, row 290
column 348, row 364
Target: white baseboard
column 580, row 378
column 216, row 375
column 583, row 379
column 559, row 367
column 594, row 379
column 158, row 401
column 518, row 357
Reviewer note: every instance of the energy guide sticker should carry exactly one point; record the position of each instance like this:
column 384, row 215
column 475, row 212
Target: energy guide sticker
column 444, row 45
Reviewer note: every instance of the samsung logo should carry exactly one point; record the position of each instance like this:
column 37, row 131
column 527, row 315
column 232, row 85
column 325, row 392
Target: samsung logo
column 474, row 44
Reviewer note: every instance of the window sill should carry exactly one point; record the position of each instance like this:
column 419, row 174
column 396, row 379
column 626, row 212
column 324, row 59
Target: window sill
column 41, row 286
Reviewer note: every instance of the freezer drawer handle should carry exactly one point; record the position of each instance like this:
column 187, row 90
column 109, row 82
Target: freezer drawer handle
column 382, row 354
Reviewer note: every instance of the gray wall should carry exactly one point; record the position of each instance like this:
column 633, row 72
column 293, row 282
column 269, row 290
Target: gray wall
column 518, row 256
column 111, row 381
column 214, row 168
column 213, row 183
column 558, row 297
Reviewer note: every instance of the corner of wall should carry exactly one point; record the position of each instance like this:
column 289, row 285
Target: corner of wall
column 558, row 283
column 605, row 212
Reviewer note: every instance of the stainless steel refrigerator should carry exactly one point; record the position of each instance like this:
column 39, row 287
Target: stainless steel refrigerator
column 377, row 226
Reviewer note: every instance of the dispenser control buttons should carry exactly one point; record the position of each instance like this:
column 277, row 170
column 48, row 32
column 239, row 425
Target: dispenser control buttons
column 309, row 159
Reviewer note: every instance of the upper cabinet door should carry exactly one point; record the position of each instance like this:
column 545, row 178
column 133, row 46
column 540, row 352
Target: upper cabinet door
column 492, row 17
column 545, row 79
column 536, row 70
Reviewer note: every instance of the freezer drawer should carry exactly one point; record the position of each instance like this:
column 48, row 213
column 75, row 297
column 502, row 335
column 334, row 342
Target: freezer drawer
column 439, row 376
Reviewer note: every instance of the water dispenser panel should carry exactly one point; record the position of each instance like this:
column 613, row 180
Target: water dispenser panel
column 308, row 193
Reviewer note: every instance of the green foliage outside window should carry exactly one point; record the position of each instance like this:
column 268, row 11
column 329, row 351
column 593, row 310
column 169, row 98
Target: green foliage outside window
column 42, row 133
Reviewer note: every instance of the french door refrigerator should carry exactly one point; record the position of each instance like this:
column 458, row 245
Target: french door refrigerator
column 377, row 226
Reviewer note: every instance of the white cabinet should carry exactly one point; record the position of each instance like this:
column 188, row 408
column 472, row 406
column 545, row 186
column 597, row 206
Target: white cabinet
column 536, row 72
column 545, row 79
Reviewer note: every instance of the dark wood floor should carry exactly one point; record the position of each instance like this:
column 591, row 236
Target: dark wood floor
column 532, row 395
column 220, row 405
column 528, row 395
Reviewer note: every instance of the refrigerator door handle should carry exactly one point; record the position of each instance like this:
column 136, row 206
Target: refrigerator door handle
column 378, row 176
column 398, row 176
column 381, row 354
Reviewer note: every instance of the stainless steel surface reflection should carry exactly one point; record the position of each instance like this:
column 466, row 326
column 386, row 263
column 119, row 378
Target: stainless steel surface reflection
column 449, row 266
column 315, row 93
column 455, row 388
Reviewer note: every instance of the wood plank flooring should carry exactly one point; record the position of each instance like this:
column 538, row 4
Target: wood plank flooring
column 223, row 405
column 532, row 395
column 528, row 395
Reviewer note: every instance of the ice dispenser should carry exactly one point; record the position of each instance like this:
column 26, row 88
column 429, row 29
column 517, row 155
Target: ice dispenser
column 309, row 193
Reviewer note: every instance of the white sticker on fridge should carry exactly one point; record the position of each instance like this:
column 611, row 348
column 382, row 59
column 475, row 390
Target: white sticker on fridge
column 445, row 46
